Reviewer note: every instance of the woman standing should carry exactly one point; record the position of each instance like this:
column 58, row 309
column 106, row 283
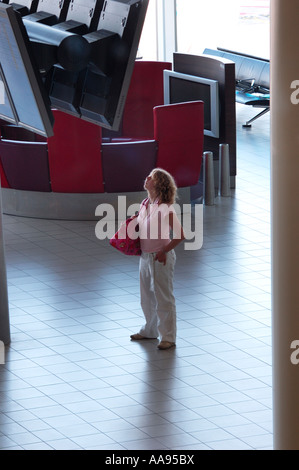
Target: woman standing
column 156, row 219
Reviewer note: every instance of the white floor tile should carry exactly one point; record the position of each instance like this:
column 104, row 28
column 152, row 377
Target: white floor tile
column 73, row 379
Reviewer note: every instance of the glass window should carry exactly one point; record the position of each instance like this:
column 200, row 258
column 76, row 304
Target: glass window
column 148, row 42
column 237, row 25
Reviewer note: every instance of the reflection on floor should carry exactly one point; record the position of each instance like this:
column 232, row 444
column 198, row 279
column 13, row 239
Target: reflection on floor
column 74, row 380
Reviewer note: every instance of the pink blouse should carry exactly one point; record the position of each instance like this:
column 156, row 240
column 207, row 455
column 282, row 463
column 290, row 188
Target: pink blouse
column 154, row 228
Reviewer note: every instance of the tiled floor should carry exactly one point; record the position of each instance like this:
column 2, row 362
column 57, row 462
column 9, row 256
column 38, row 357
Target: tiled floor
column 74, row 380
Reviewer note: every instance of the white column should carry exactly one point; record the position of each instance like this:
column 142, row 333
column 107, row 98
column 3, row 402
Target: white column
column 285, row 221
column 4, row 311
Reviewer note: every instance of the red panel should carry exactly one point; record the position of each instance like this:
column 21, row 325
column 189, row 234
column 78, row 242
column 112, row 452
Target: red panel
column 145, row 92
column 3, row 179
column 127, row 164
column 179, row 132
column 4, row 182
column 75, row 155
column 26, row 165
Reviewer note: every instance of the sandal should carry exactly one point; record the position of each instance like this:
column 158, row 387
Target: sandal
column 138, row 337
column 165, row 345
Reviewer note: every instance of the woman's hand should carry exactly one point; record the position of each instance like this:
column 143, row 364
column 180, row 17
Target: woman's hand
column 161, row 257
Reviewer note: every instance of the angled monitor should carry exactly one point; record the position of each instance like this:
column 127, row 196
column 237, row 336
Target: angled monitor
column 22, row 98
column 180, row 87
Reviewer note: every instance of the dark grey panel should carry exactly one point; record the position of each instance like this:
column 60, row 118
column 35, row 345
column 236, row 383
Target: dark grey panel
column 24, row 96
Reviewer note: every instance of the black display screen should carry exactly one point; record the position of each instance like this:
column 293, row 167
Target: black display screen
column 182, row 90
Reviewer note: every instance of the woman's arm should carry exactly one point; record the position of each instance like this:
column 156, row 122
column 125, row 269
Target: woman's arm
column 179, row 236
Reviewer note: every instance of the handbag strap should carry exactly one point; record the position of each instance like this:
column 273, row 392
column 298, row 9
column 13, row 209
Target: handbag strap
column 145, row 202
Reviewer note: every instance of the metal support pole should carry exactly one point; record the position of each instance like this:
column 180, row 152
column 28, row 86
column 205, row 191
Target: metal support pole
column 224, row 170
column 4, row 310
column 208, row 179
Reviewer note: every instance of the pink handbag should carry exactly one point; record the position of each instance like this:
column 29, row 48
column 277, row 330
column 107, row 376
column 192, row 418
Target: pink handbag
column 125, row 243
column 126, row 239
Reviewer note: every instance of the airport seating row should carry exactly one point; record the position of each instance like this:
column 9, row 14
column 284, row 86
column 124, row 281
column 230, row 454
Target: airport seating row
column 252, row 80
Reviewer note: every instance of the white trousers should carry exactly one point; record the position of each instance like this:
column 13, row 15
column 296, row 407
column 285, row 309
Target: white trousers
column 157, row 299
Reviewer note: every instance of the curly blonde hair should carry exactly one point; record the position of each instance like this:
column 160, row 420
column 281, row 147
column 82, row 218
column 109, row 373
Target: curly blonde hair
column 165, row 186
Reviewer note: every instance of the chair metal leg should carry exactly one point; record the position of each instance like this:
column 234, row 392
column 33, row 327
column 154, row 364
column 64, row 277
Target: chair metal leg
column 248, row 123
